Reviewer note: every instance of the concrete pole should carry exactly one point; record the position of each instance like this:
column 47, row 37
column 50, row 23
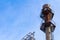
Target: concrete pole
column 48, row 33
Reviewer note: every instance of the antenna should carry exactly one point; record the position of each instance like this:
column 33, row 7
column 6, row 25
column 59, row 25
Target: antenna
column 29, row 36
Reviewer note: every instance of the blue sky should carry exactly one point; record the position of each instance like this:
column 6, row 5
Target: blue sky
column 19, row 17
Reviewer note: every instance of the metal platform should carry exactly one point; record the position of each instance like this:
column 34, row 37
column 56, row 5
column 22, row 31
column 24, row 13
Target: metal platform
column 45, row 25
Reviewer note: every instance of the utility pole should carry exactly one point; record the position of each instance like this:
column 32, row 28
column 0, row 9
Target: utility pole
column 47, row 26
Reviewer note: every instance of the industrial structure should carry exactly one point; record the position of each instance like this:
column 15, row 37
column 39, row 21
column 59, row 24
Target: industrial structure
column 29, row 36
column 47, row 26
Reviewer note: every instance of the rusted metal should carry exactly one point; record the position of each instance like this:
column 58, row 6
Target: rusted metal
column 47, row 27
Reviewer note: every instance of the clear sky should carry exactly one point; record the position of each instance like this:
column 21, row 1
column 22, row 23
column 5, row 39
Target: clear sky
column 19, row 17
